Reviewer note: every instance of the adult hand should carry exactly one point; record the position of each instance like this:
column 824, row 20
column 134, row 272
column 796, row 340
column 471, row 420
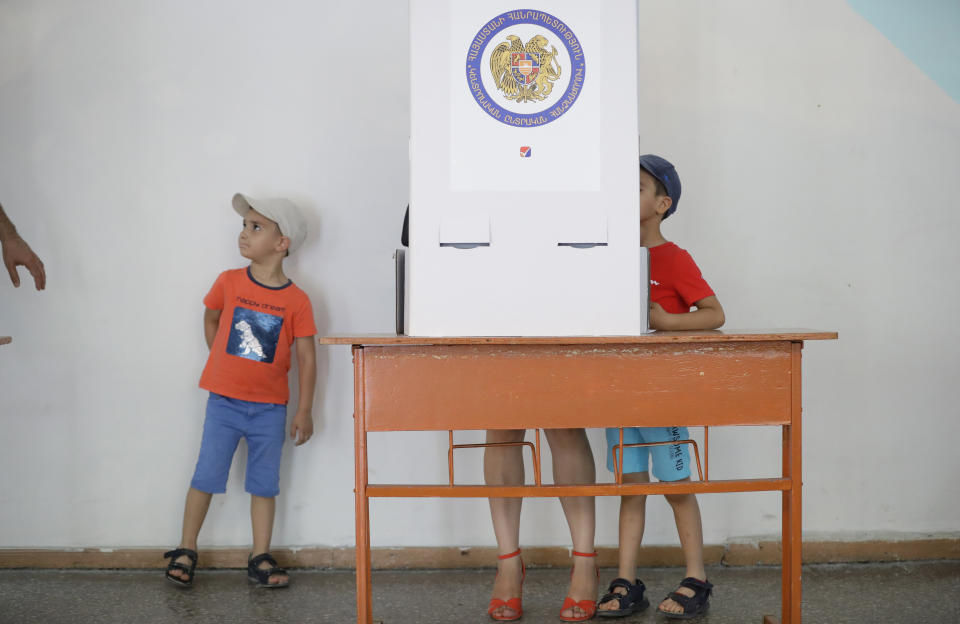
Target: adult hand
column 16, row 252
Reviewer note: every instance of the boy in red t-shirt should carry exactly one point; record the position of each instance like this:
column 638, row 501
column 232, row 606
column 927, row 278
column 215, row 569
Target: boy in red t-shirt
column 253, row 317
column 675, row 286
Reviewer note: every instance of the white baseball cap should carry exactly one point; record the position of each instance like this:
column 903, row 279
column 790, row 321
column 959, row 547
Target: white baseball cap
column 279, row 209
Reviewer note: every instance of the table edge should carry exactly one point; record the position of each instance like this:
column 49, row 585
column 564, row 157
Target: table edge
column 658, row 337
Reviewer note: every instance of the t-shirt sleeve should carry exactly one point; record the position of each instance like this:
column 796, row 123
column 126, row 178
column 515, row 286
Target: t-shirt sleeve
column 303, row 324
column 689, row 282
column 214, row 298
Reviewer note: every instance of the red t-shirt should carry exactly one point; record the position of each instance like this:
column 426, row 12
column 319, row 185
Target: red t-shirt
column 675, row 280
column 250, row 356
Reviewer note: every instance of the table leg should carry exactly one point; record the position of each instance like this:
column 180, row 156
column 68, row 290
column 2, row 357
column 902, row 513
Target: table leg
column 364, row 597
column 796, row 489
column 786, row 536
column 364, row 602
column 791, row 541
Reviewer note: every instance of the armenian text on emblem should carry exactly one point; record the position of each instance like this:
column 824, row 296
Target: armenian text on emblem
column 525, row 73
column 507, row 78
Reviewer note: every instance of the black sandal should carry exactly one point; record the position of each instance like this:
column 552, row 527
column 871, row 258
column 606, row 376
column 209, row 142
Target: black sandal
column 173, row 555
column 631, row 602
column 262, row 577
column 692, row 605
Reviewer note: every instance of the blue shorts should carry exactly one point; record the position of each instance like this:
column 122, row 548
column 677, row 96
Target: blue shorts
column 671, row 462
column 228, row 420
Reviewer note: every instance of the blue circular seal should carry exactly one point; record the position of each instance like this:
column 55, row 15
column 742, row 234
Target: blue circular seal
column 524, row 72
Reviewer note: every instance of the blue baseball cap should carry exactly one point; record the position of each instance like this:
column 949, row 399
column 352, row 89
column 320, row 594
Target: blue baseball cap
column 663, row 170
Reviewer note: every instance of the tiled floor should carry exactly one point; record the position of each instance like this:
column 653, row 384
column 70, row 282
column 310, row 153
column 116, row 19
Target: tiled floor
column 904, row 593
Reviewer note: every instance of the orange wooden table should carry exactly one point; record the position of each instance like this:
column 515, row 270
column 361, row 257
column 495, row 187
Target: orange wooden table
column 698, row 379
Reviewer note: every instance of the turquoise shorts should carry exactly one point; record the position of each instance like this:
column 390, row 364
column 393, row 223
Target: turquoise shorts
column 228, row 420
column 671, row 462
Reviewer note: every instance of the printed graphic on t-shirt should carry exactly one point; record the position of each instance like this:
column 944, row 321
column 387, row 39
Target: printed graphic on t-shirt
column 254, row 335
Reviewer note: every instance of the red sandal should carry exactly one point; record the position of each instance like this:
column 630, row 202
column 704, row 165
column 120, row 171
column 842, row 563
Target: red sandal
column 514, row 604
column 589, row 607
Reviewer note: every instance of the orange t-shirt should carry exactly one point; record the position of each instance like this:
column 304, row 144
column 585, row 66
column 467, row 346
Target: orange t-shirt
column 250, row 356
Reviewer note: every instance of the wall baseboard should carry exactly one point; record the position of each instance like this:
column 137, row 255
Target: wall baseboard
column 760, row 552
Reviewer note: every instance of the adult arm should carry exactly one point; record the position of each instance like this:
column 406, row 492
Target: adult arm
column 16, row 252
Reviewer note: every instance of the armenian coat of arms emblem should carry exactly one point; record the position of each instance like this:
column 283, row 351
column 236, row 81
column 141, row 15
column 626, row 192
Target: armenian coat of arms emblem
column 525, row 68
column 525, row 73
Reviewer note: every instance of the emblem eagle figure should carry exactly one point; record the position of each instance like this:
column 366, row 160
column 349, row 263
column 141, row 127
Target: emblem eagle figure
column 525, row 73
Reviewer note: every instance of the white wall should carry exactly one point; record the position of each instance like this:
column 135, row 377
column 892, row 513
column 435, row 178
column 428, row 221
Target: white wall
column 819, row 170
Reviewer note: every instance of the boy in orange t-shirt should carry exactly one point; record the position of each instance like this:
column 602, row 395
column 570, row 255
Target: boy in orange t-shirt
column 253, row 317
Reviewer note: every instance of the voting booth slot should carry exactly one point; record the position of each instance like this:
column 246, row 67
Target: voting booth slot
column 465, row 231
column 583, row 232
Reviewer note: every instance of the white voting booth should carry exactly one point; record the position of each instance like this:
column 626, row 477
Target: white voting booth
column 523, row 170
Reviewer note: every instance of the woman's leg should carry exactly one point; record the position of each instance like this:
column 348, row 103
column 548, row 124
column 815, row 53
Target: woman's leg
column 504, row 466
column 573, row 464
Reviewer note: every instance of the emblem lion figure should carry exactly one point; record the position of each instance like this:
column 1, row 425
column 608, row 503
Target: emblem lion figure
column 501, row 67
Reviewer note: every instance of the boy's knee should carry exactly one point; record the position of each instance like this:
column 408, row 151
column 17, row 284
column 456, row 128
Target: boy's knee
column 266, row 491
column 678, row 500
column 633, row 501
column 636, row 477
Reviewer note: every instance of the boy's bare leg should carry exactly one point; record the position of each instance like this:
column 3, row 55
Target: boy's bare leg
column 261, row 516
column 686, row 512
column 194, row 512
column 573, row 464
column 632, row 519
column 504, row 466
